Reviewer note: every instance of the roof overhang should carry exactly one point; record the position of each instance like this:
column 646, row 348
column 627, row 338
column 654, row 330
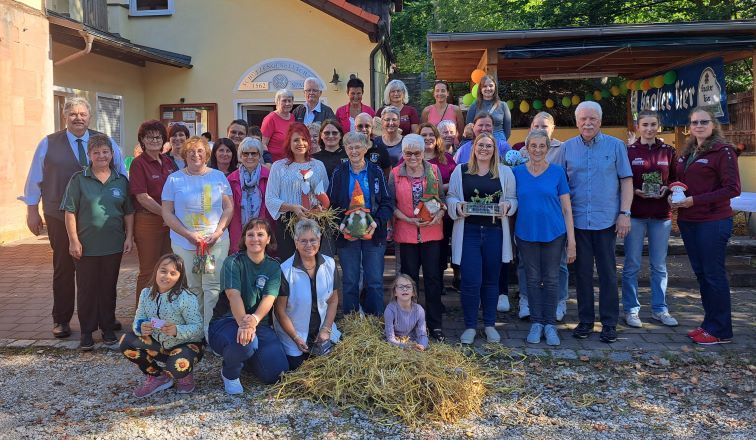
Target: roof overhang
column 69, row 32
column 631, row 51
column 352, row 15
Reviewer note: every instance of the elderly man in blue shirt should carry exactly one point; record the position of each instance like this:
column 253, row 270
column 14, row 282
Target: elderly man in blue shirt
column 58, row 156
column 601, row 190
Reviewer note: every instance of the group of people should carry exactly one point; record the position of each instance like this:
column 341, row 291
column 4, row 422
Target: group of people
column 227, row 234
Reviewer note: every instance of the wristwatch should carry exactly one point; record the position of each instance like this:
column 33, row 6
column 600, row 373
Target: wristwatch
column 627, row 213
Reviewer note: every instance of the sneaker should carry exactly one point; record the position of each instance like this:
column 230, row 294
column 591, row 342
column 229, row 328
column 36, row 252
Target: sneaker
column 665, row 318
column 534, row 337
column 552, row 337
column 633, row 320
column 503, row 304
column 524, row 312
column 109, row 338
column 608, row 334
column 582, row 330
column 61, row 330
column 185, row 385
column 232, row 386
column 86, row 343
column 561, row 310
column 438, row 335
column 704, row 338
column 153, row 384
column 467, row 336
column 695, row 332
column 492, row 335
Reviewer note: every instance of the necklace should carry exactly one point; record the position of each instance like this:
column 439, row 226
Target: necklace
column 201, row 172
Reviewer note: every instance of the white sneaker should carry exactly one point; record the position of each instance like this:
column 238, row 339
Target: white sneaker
column 524, row 308
column 492, row 335
column 503, row 304
column 468, row 336
column 665, row 318
column 561, row 310
column 633, row 320
column 232, row 386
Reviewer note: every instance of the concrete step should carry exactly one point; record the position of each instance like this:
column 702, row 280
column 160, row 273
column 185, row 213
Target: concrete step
column 740, row 245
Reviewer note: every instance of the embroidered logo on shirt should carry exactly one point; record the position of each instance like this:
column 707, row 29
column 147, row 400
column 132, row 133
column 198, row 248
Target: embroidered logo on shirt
column 155, row 177
column 704, row 161
column 261, row 280
column 639, row 161
column 665, row 163
column 116, row 193
column 374, row 157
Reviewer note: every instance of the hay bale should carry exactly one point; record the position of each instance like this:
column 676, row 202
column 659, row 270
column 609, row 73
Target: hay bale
column 364, row 371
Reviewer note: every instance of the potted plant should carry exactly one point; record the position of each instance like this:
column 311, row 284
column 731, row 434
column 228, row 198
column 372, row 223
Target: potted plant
column 652, row 183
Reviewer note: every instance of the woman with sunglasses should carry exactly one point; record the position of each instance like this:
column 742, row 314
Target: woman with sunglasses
column 709, row 169
column 248, row 185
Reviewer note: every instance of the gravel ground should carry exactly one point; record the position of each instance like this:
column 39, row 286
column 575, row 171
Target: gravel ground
column 46, row 393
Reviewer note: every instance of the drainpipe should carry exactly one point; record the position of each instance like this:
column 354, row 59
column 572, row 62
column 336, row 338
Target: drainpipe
column 88, row 40
column 372, row 71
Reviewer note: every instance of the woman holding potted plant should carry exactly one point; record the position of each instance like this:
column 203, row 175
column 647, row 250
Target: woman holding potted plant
column 653, row 165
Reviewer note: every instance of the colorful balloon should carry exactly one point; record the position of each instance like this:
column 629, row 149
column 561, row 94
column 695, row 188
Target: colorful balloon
column 477, row 75
column 670, row 77
column 575, row 100
column 639, row 84
column 658, row 81
column 588, row 97
column 468, row 99
column 524, row 106
column 604, row 93
column 566, row 101
column 597, row 95
column 510, row 104
column 549, row 103
column 475, row 90
column 614, row 90
column 537, row 104
column 646, row 85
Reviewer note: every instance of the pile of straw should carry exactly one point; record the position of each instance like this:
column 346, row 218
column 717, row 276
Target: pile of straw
column 366, row 372
column 327, row 219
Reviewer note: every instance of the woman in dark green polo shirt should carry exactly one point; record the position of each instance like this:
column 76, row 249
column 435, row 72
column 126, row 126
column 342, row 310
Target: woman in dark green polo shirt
column 100, row 222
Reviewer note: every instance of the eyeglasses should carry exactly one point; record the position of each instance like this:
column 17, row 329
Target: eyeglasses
column 312, row 91
column 485, row 146
column 311, row 242
column 404, row 287
column 354, row 147
column 153, row 138
column 412, row 153
column 702, row 123
column 331, row 133
column 249, row 154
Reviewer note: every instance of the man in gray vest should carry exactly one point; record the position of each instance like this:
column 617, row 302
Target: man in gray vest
column 57, row 158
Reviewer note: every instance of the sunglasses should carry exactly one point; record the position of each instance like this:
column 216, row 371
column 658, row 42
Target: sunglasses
column 249, row 154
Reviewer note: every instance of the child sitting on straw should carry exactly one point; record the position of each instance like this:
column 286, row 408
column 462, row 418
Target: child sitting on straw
column 404, row 317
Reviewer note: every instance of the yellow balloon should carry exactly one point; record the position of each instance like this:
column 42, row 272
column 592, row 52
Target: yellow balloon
column 549, row 103
column 658, row 81
column 597, row 95
column 614, row 90
column 524, row 107
column 575, row 100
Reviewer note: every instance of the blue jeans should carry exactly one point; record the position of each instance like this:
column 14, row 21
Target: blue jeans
column 658, row 241
column 564, row 276
column 480, row 267
column 706, row 245
column 362, row 254
column 263, row 356
column 541, row 261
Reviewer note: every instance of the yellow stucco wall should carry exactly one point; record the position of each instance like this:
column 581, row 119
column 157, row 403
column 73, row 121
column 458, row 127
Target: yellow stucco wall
column 225, row 38
column 25, row 103
column 92, row 74
column 747, row 165
column 36, row 4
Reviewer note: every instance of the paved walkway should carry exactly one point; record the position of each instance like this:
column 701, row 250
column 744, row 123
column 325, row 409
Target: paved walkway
column 26, row 305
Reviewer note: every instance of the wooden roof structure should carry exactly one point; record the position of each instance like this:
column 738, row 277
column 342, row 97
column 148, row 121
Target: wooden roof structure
column 631, row 51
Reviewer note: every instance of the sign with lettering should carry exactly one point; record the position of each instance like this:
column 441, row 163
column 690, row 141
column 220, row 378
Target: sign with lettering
column 701, row 84
column 275, row 74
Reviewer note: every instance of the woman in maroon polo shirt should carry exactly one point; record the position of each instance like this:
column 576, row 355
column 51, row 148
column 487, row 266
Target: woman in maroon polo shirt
column 147, row 176
column 709, row 169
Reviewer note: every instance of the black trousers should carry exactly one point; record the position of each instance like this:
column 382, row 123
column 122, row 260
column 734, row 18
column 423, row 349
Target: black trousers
column 96, row 279
column 597, row 246
column 64, row 281
column 427, row 254
column 285, row 247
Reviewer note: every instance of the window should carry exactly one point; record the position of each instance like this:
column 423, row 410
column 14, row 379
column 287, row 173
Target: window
column 110, row 116
column 151, row 7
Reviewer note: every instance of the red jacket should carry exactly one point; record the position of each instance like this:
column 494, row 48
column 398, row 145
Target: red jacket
column 647, row 159
column 712, row 179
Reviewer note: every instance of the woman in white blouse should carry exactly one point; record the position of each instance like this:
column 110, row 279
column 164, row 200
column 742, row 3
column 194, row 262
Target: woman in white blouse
column 292, row 184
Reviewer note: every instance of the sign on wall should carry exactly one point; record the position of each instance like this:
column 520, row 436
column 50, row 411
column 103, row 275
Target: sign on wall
column 700, row 84
column 275, row 74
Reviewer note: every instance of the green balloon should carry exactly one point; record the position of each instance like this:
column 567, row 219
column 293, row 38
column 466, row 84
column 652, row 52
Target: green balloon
column 510, row 104
column 670, row 77
column 604, row 93
column 588, row 97
column 475, row 90
column 537, row 104
column 623, row 87
column 468, row 99
column 566, row 101
column 127, row 162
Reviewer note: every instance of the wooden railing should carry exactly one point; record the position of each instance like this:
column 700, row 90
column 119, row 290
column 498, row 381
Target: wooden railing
column 742, row 127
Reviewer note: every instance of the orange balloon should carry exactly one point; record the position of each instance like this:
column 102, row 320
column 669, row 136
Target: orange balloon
column 477, row 75
column 631, row 85
column 646, row 85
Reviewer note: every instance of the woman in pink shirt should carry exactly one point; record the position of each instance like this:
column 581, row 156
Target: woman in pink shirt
column 276, row 124
column 442, row 109
column 346, row 113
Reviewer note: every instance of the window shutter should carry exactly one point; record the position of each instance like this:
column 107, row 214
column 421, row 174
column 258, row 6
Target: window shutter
column 109, row 110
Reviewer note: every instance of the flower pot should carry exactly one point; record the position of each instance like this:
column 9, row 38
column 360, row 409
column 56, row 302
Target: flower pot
column 651, row 189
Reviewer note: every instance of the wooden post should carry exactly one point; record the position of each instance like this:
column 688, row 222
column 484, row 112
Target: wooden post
column 490, row 61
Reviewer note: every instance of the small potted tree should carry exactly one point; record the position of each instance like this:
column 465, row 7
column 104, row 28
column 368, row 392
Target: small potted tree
column 652, row 183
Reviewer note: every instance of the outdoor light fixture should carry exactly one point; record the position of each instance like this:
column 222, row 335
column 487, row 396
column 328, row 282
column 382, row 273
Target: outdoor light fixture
column 578, row 75
column 335, row 80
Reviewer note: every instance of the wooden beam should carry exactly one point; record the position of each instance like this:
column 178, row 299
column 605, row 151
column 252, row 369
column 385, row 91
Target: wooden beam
column 677, row 64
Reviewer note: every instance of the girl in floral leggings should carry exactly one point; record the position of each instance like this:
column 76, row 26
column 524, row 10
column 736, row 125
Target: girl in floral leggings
column 167, row 328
